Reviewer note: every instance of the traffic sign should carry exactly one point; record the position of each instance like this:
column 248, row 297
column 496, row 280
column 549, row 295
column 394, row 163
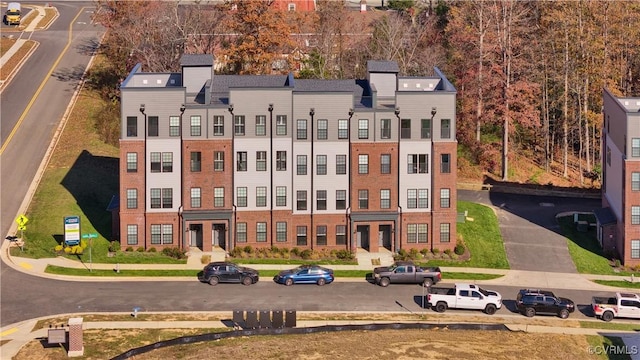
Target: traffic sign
column 22, row 227
column 22, row 220
column 89, row 236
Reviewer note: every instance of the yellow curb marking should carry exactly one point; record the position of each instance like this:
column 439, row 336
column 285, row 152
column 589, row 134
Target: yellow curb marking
column 8, row 332
column 26, row 265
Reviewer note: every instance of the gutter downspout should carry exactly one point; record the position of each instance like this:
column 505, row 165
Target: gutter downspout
column 180, row 208
column 398, row 241
column 312, row 112
column 142, row 110
column 351, row 245
column 271, row 173
column 232, row 231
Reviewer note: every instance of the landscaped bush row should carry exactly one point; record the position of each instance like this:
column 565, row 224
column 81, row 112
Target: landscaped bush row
column 172, row 252
column 416, row 255
column 286, row 253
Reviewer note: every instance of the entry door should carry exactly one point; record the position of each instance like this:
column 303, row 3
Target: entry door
column 363, row 236
column 195, row 232
column 384, row 236
column 218, row 235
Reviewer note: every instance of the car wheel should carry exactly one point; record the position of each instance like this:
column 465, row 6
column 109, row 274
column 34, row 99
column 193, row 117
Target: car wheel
column 529, row 312
column 564, row 313
column 321, row 282
column 247, row 281
column 490, row 309
column 427, row 282
column 213, row 281
column 441, row 307
column 288, row 282
column 384, row 282
column 607, row 316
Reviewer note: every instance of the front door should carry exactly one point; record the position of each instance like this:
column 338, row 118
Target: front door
column 218, row 236
column 363, row 236
column 195, row 232
column 384, row 236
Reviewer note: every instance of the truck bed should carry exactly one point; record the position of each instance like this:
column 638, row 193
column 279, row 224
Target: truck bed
column 442, row 291
column 600, row 300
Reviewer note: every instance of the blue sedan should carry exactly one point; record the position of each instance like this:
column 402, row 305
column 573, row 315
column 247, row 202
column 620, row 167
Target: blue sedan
column 305, row 274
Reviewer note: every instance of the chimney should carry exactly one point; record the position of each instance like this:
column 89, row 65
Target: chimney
column 363, row 6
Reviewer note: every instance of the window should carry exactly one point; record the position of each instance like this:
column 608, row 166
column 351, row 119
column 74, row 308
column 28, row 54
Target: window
column 425, row 129
column 412, row 233
column 405, row 129
column 341, row 199
column 343, row 129
column 302, row 129
column 261, row 196
column 635, row 181
column 363, row 199
column 445, row 198
column 281, row 196
column 153, row 126
column 239, row 125
column 196, row 125
column 635, row 147
column 301, row 165
column 341, row 234
column 218, row 197
column 385, row 199
column 323, row 129
column 174, row 126
column 261, row 161
column 385, row 164
column 412, row 198
column 196, row 200
column 445, row 235
column 301, row 235
column 261, row 125
column 445, row 128
column 281, row 231
column 385, row 128
column 167, row 234
column 423, row 236
column 445, row 166
column 156, row 200
column 261, row 232
column 341, row 164
column 291, row 7
column 167, row 198
column 281, row 161
column 241, row 196
column 132, row 130
column 196, row 161
column 156, row 233
column 363, row 164
column 423, row 198
column 363, row 129
column 281, row 124
column 154, row 158
column 321, row 164
column 635, row 249
column 132, row 162
column 301, row 200
column 417, row 164
column 321, row 199
column 132, row 198
column 635, row 215
column 321, row 235
column 218, row 125
column 218, row 161
column 241, row 232
column 241, row 164
column 132, row 234
column 167, row 162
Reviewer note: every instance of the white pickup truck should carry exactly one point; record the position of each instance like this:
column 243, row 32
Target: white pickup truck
column 464, row 296
column 624, row 305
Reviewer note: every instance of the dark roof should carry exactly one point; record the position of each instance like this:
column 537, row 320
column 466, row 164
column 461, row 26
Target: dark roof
column 382, row 66
column 325, row 85
column 196, row 60
column 605, row 216
column 222, row 83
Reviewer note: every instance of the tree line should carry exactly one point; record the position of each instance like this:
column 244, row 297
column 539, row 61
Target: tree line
column 529, row 74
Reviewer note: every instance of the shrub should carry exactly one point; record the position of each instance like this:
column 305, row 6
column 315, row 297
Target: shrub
column 436, row 251
column 459, row 249
column 236, row 252
column 344, row 254
column 174, row 252
column 140, row 249
column 414, row 253
column 114, row 246
column 58, row 248
column 306, row 254
column 448, row 252
column 424, row 252
column 284, row 251
column 617, row 263
column 77, row 250
column 295, row 251
column 152, row 250
column 129, row 248
column 248, row 249
column 67, row 250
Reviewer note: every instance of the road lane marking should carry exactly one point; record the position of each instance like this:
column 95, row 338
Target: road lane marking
column 42, row 84
column 8, row 332
column 26, row 265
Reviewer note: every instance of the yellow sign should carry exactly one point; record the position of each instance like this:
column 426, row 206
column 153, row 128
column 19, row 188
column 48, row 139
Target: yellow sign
column 22, row 220
column 22, row 227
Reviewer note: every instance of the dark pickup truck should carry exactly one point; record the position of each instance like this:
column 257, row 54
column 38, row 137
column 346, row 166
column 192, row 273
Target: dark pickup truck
column 406, row 272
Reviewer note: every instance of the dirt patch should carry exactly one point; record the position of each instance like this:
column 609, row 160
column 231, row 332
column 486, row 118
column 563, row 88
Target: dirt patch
column 16, row 59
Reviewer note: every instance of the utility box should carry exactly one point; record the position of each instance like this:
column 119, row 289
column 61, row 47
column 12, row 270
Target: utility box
column 265, row 319
column 277, row 319
column 290, row 319
column 251, row 320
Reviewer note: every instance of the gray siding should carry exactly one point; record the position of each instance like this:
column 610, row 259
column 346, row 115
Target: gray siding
column 329, row 106
column 252, row 102
column 194, row 78
column 161, row 102
column 385, row 84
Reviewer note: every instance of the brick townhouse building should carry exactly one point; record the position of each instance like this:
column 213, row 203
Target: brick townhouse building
column 618, row 222
column 211, row 160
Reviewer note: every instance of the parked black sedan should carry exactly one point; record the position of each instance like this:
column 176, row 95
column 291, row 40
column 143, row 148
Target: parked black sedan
column 227, row 272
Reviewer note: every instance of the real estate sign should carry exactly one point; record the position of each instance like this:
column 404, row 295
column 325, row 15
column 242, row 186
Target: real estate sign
column 72, row 230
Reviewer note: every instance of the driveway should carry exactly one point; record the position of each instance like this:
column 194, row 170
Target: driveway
column 531, row 235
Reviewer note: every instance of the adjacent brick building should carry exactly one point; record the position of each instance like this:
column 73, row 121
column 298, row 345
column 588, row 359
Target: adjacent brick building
column 211, row 160
column 619, row 219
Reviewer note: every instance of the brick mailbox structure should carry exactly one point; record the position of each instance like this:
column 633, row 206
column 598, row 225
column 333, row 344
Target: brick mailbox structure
column 76, row 344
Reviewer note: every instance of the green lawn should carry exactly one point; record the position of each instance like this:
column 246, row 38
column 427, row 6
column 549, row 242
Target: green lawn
column 585, row 250
column 617, row 283
column 609, row 325
column 481, row 236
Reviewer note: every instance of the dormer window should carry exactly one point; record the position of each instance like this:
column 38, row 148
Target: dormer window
column 292, row 7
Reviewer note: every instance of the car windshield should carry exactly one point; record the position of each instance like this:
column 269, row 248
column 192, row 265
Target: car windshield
column 483, row 291
column 392, row 268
